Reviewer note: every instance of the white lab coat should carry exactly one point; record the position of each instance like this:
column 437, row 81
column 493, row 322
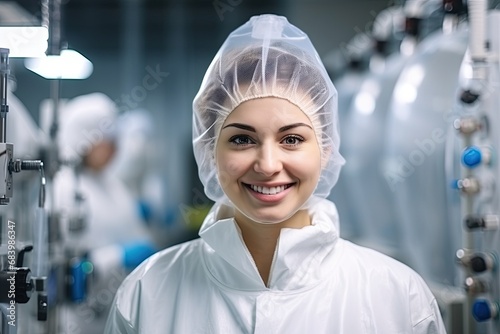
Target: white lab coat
column 319, row 283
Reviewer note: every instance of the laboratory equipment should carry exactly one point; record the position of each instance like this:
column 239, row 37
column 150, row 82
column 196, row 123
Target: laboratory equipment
column 474, row 149
column 414, row 149
column 17, row 282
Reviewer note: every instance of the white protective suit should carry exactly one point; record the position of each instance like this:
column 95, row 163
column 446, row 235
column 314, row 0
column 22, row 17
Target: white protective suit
column 319, row 283
column 114, row 235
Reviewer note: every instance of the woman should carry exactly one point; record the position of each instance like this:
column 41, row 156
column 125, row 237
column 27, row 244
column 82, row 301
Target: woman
column 270, row 259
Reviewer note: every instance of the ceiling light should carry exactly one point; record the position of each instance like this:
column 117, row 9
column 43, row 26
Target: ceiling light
column 68, row 65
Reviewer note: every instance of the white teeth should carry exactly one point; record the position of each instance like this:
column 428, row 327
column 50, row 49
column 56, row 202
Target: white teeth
column 268, row 190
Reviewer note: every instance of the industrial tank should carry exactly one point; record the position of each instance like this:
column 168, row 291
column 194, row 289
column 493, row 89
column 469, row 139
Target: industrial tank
column 365, row 126
column 418, row 119
column 363, row 131
column 357, row 54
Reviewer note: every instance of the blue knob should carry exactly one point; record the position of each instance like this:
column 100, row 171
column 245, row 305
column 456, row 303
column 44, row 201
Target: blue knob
column 78, row 279
column 482, row 310
column 471, row 156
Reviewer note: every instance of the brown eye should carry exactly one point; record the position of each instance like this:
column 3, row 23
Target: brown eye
column 241, row 140
column 292, row 140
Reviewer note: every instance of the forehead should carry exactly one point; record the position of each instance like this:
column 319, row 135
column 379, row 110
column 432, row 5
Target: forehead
column 268, row 111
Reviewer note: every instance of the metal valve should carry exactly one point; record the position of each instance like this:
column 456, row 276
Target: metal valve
column 475, row 285
column 15, row 284
column 481, row 262
column 469, row 186
column 487, row 222
column 467, row 125
column 469, row 96
column 477, row 262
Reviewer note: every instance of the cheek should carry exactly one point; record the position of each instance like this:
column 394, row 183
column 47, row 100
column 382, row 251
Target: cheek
column 307, row 166
column 307, row 170
column 229, row 167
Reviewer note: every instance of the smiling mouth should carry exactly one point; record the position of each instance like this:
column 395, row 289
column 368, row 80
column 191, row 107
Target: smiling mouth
column 269, row 190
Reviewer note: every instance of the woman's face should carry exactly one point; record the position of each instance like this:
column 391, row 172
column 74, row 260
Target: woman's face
column 100, row 155
column 268, row 159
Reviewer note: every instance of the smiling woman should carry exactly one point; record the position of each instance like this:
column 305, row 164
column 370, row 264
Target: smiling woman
column 278, row 164
column 289, row 71
column 270, row 259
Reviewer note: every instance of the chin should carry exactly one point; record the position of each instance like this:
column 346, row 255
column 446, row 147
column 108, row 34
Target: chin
column 267, row 218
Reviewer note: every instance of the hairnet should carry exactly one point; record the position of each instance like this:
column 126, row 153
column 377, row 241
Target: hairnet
column 85, row 121
column 266, row 57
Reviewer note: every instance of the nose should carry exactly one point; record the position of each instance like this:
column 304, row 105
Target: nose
column 268, row 160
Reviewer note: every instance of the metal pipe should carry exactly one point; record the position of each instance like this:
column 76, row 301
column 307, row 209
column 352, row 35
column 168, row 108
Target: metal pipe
column 4, row 108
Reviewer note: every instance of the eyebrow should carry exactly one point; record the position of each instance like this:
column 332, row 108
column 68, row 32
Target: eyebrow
column 252, row 129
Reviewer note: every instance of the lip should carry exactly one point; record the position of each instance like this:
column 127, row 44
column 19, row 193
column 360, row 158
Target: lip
column 269, row 185
column 269, row 198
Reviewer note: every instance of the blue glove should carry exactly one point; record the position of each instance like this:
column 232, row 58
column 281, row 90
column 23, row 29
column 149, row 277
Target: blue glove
column 136, row 252
column 145, row 211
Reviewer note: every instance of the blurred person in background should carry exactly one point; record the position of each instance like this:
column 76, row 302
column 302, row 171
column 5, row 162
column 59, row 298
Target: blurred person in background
column 99, row 222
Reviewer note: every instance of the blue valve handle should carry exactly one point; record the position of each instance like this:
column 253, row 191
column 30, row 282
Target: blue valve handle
column 484, row 310
column 471, row 157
